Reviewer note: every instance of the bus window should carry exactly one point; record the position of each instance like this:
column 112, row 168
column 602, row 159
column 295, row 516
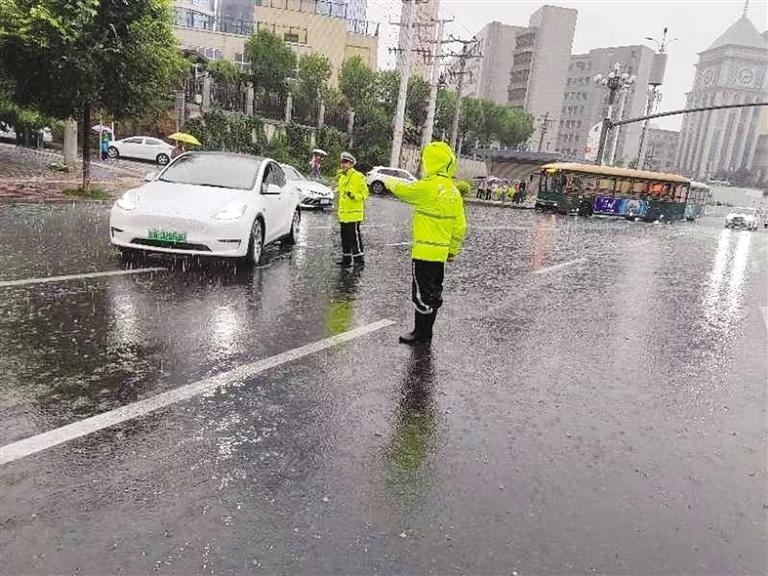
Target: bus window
column 640, row 189
column 666, row 193
column 655, row 189
column 680, row 193
column 590, row 184
column 624, row 187
column 605, row 186
column 575, row 184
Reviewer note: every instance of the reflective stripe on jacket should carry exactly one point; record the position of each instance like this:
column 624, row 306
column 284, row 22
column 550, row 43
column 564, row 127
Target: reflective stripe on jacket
column 351, row 195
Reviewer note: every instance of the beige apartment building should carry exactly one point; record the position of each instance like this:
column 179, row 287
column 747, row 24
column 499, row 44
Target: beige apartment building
column 540, row 69
column 302, row 29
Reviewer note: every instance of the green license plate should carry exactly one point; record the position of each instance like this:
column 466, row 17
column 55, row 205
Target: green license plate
column 167, row 236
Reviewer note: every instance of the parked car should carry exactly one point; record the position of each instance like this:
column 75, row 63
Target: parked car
column 312, row 194
column 142, row 148
column 375, row 178
column 208, row 203
column 9, row 132
column 742, row 218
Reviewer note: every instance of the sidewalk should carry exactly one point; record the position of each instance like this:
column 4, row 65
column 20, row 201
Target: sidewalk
column 529, row 204
column 26, row 175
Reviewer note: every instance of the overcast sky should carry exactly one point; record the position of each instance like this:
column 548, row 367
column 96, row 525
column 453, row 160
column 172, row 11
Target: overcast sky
column 601, row 24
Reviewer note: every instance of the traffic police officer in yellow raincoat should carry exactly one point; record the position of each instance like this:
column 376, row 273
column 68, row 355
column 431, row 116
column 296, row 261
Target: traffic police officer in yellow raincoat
column 439, row 225
column 352, row 193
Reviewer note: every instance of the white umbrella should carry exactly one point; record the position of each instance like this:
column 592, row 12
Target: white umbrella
column 101, row 128
column 319, row 152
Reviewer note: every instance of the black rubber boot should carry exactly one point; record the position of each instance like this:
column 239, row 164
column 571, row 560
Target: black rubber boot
column 345, row 262
column 429, row 322
column 419, row 334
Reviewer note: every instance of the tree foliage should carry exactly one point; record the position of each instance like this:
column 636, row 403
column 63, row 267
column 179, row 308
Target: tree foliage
column 68, row 58
column 312, row 84
column 223, row 72
column 356, row 83
column 272, row 62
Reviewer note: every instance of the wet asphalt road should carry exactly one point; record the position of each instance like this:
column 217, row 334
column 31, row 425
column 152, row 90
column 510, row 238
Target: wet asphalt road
column 594, row 402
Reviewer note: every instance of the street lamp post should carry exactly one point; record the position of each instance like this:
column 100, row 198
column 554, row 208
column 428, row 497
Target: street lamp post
column 613, row 82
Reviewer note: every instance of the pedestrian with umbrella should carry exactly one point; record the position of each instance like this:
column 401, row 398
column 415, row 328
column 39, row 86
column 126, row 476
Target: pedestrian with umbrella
column 181, row 138
column 316, row 163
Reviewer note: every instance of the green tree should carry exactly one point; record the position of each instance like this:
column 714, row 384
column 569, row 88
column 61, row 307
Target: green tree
column 357, row 82
column 223, row 72
column 70, row 57
column 272, row 62
column 386, row 89
column 446, row 105
column 312, row 85
column 416, row 108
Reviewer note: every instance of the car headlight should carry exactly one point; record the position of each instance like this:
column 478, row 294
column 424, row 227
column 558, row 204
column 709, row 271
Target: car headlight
column 232, row 212
column 128, row 200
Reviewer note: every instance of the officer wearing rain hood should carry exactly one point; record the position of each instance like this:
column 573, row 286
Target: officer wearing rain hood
column 439, row 225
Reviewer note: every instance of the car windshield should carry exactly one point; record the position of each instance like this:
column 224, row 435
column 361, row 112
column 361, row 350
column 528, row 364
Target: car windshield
column 218, row 170
column 292, row 174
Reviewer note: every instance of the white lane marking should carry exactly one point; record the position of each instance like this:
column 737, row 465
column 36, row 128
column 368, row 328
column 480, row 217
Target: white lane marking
column 22, row 282
column 765, row 317
column 513, row 228
column 46, row 440
column 399, row 244
column 560, row 266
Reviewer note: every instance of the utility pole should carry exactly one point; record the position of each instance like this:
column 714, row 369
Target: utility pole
column 429, row 125
column 397, row 135
column 614, row 82
column 465, row 55
column 544, row 127
column 655, row 80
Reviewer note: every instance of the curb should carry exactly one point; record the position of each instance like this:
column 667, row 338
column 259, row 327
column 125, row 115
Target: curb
column 497, row 204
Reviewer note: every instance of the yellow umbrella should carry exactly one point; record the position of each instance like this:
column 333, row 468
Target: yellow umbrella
column 183, row 137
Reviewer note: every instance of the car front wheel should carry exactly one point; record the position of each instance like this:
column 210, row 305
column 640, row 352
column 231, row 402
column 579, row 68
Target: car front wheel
column 113, row 152
column 378, row 187
column 293, row 235
column 256, row 242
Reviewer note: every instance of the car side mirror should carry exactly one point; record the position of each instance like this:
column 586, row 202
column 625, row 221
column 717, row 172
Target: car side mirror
column 270, row 189
column 150, row 176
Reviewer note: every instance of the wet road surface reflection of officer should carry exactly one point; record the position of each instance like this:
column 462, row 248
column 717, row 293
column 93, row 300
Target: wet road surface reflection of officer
column 416, row 423
column 341, row 312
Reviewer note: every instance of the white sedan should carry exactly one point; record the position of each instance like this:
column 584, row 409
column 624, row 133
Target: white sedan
column 313, row 194
column 142, row 148
column 378, row 174
column 742, row 218
column 208, row 204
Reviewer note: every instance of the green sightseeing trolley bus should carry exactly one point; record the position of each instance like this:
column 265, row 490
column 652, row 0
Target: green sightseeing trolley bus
column 587, row 189
column 698, row 198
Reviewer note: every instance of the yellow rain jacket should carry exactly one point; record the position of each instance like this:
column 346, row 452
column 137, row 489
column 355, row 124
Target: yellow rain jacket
column 352, row 193
column 439, row 223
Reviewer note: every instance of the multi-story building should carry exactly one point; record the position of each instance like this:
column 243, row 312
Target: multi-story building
column 196, row 13
column 424, row 35
column 734, row 69
column 540, row 69
column 487, row 75
column 295, row 21
column 660, row 150
column 236, row 16
column 585, row 102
